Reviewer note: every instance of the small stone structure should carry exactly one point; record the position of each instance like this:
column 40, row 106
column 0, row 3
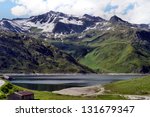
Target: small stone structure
column 21, row 95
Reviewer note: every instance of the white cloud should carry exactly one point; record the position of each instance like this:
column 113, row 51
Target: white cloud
column 19, row 10
column 2, row 0
column 139, row 14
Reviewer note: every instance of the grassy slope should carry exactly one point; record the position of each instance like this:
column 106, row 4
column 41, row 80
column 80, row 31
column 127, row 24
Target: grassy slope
column 138, row 86
column 118, row 52
column 102, row 58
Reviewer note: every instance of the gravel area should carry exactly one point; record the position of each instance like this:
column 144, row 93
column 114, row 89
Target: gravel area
column 82, row 91
column 137, row 97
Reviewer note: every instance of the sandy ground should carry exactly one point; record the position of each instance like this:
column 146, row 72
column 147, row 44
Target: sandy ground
column 82, row 91
column 95, row 90
column 1, row 82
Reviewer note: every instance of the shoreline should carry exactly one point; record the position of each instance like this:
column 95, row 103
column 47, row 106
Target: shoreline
column 11, row 74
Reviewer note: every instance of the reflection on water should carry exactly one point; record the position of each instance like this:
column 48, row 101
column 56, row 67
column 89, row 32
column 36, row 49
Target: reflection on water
column 58, row 82
column 49, row 87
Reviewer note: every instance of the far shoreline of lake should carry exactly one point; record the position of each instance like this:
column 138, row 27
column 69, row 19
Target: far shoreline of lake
column 52, row 82
column 2, row 74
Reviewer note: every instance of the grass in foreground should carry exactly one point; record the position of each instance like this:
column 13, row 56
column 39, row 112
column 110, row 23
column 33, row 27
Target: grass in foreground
column 45, row 95
column 8, row 88
column 139, row 86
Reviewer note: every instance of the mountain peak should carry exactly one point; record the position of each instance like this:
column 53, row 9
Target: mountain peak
column 49, row 15
column 93, row 18
column 56, row 13
column 117, row 20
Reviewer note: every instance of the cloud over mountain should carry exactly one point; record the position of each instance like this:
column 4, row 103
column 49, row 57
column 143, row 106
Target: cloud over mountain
column 135, row 11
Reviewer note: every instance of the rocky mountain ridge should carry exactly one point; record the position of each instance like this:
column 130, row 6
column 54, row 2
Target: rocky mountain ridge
column 60, row 23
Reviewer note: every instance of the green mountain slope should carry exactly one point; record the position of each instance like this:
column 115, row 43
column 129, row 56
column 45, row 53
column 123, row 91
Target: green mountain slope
column 122, row 50
column 23, row 54
column 76, row 50
column 136, row 86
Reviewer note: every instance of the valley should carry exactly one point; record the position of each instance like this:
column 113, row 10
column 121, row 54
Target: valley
column 49, row 42
column 24, row 54
column 72, row 50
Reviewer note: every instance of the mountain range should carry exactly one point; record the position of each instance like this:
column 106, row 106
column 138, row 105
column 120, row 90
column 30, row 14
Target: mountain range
column 51, row 22
column 58, row 42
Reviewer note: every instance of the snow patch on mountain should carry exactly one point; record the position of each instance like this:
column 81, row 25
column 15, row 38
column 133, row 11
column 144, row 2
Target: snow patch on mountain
column 11, row 25
column 73, row 21
column 56, row 22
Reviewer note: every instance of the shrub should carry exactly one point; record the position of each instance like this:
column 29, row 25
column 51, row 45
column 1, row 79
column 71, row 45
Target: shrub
column 6, row 87
column 2, row 96
column 9, row 86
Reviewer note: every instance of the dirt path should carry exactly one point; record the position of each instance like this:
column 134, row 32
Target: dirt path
column 137, row 97
column 82, row 91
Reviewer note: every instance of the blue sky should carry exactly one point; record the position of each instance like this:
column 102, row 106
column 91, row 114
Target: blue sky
column 128, row 8
column 5, row 9
column 135, row 11
column 110, row 8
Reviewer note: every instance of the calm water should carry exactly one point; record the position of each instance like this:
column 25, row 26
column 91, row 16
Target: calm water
column 57, row 82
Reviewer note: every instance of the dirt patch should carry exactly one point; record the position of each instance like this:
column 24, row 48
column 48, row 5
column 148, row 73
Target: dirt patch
column 82, row 91
column 137, row 97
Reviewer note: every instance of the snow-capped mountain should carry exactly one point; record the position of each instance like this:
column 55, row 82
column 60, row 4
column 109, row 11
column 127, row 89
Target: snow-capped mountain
column 59, row 23
column 116, row 20
column 52, row 22
column 144, row 26
column 11, row 25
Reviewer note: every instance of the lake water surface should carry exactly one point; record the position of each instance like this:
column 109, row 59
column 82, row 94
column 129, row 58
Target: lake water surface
column 61, row 81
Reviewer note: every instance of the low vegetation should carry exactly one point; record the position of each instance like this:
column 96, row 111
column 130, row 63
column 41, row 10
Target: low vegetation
column 6, row 89
column 137, row 86
column 119, row 52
